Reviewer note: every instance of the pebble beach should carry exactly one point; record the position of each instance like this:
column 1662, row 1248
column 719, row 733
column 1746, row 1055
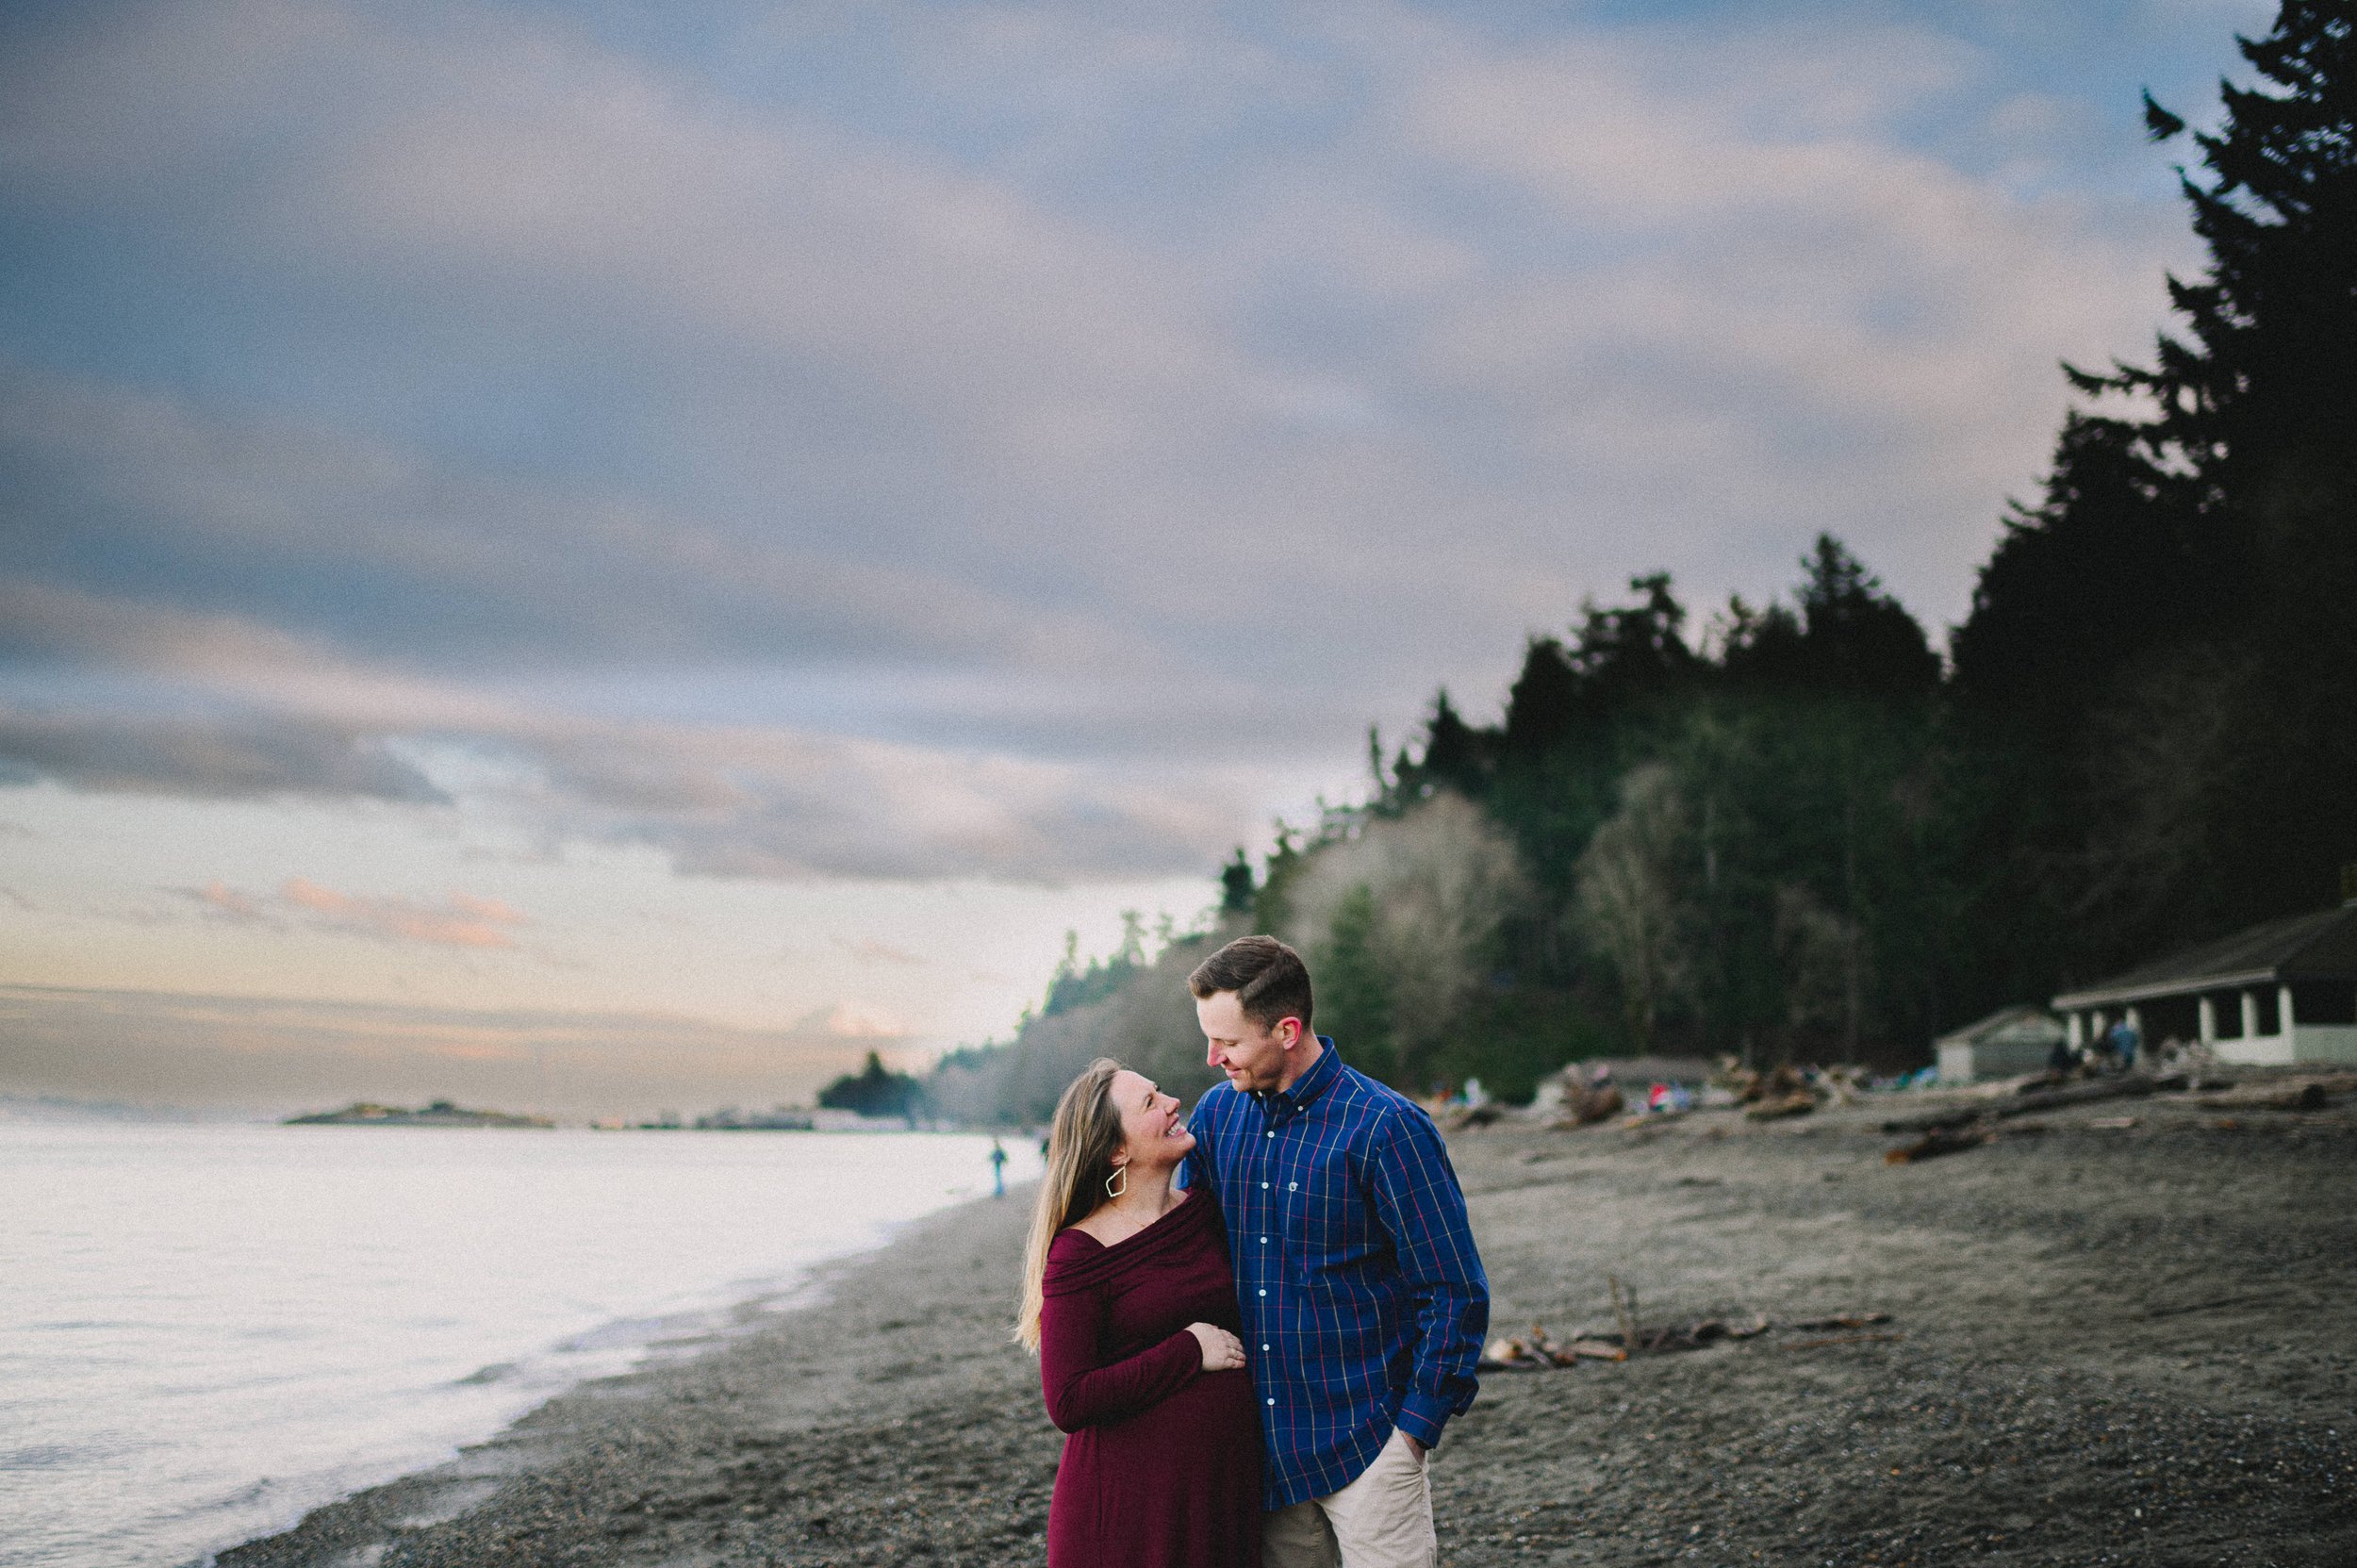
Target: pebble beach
column 2111, row 1338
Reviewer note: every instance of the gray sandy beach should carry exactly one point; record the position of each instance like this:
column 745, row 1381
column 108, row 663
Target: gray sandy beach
column 2107, row 1344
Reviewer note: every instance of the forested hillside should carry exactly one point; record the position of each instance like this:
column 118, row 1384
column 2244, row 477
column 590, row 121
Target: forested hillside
column 1793, row 830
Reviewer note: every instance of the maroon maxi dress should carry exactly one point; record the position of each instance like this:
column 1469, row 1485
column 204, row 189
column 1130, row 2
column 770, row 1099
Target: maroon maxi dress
column 1163, row 1466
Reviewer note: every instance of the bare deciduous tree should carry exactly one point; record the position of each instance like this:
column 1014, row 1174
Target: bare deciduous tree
column 1627, row 899
column 1825, row 968
column 1441, row 881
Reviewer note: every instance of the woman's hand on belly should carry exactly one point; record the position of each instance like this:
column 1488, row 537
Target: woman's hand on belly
column 1222, row 1350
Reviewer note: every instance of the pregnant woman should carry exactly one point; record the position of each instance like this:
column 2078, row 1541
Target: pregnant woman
column 1128, row 1298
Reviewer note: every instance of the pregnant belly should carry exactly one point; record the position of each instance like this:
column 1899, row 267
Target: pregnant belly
column 1208, row 1401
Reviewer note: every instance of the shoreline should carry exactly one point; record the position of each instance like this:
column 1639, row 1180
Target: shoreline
column 2107, row 1342
column 697, row 1437
column 222, row 1328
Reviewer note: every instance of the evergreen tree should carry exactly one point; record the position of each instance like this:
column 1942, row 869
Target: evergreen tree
column 1236, row 886
column 1628, row 651
column 1072, row 986
column 2107, row 569
column 1455, row 755
column 2171, row 626
column 1848, row 635
column 1544, row 703
column 1354, row 1002
column 2259, row 401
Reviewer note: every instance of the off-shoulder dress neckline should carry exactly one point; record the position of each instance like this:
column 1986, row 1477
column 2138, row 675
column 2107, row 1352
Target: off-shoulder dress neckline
column 1146, row 1230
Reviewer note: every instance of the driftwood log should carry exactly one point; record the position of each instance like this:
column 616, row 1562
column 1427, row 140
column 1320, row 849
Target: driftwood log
column 1538, row 1350
column 2042, row 1099
column 1939, row 1141
column 2305, row 1094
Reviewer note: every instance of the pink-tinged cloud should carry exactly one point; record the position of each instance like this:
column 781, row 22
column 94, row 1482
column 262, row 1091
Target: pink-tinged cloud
column 869, row 950
column 219, row 897
column 283, row 1055
column 847, row 1020
column 487, row 909
column 461, row 921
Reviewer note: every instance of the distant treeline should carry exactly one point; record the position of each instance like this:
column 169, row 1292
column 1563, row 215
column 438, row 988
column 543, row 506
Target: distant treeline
column 1795, row 830
column 875, row 1090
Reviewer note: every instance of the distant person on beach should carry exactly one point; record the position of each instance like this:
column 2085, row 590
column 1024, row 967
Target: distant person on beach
column 1128, row 1298
column 997, row 1168
column 1362, row 1299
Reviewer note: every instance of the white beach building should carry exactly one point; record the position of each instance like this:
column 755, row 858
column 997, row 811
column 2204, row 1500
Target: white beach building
column 2284, row 992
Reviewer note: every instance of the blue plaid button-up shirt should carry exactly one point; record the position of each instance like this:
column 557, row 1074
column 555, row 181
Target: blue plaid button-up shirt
column 1365, row 1303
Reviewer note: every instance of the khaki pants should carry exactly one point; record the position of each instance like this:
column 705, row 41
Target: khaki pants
column 1381, row 1520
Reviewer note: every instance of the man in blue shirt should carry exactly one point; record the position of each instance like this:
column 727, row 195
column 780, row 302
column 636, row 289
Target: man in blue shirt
column 1365, row 1303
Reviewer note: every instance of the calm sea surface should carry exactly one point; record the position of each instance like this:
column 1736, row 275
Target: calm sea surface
column 206, row 1331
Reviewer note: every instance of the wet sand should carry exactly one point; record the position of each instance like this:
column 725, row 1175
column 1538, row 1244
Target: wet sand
column 2114, row 1344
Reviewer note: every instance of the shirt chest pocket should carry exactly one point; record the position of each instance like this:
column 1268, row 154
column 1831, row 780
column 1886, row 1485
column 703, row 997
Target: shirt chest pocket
column 1331, row 1227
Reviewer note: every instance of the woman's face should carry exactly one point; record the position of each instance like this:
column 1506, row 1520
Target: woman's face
column 1152, row 1135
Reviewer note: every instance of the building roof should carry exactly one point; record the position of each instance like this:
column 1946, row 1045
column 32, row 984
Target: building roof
column 2023, row 1022
column 2322, row 946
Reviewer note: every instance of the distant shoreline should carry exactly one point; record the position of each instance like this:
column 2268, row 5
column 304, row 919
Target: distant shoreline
column 441, row 1113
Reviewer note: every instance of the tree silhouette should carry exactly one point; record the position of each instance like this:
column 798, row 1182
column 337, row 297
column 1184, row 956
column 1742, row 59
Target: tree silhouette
column 875, row 1090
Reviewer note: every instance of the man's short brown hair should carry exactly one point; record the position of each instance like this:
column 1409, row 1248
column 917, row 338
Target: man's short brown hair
column 1269, row 980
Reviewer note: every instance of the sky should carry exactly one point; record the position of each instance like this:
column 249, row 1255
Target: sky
column 617, row 556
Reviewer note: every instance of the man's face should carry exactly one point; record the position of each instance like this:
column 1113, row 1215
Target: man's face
column 1253, row 1058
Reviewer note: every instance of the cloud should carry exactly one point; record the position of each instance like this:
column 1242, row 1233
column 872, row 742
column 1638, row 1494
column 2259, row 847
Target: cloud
column 769, row 803
column 867, row 950
column 848, row 1021
column 216, row 898
column 1000, row 444
column 274, row 531
column 222, row 757
column 459, row 920
column 281, row 1055
column 216, row 707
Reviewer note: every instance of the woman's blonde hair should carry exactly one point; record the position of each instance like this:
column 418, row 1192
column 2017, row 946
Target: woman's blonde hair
column 1080, row 1148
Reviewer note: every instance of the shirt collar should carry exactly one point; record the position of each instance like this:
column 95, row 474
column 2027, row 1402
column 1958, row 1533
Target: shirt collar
column 1283, row 1104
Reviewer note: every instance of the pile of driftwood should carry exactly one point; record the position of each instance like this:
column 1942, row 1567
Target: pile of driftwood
column 1538, row 1350
column 1786, row 1091
column 1585, row 1103
column 1769, row 1095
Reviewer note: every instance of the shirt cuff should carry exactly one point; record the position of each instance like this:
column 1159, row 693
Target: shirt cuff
column 1421, row 1416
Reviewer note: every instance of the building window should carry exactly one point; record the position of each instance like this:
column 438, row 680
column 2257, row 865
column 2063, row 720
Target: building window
column 2324, row 1002
column 2269, row 1022
column 2228, row 1006
column 2171, row 1018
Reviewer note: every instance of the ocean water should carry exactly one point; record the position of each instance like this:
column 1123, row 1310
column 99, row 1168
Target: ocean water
column 206, row 1331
